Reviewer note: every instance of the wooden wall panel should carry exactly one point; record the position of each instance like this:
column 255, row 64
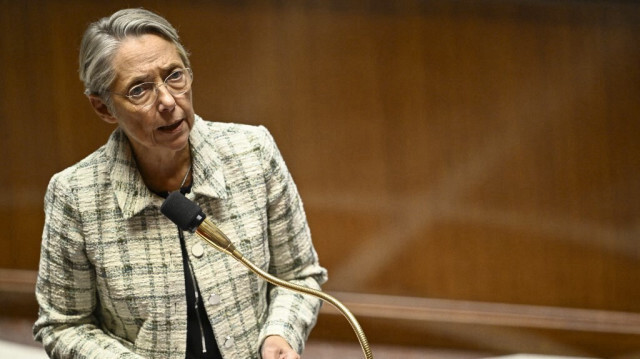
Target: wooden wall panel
column 474, row 151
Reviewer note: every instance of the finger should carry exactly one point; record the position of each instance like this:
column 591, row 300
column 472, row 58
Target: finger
column 271, row 353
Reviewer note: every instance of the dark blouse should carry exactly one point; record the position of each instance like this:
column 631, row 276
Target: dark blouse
column 199, row 328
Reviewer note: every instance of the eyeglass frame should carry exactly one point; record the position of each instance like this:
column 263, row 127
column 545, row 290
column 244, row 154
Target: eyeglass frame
column 156, row 88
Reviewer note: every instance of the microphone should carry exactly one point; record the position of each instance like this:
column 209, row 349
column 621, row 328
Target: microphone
column 188, row 216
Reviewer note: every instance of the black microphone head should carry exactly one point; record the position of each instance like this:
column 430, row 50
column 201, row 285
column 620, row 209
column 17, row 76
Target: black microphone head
column 183, row 212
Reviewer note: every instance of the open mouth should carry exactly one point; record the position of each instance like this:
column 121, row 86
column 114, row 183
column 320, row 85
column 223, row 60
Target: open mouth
column 171, row 127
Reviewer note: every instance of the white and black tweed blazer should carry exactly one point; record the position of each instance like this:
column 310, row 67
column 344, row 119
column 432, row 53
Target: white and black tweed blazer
column 111, row 281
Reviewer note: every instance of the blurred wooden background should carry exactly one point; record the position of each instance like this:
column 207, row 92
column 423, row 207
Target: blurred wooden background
column 470, row 169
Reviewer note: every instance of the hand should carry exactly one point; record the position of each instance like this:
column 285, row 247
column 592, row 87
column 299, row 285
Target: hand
column 275, row 347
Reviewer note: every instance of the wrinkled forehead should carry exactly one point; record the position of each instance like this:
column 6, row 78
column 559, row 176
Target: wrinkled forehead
column 144, row 58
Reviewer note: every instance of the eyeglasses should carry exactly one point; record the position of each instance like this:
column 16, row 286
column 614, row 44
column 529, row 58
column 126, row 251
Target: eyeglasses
column 144, row 95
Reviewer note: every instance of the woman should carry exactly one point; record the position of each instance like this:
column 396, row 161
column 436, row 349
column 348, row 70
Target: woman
column 117, row 279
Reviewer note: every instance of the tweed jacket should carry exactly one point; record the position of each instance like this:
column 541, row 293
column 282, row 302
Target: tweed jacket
column 111, row 280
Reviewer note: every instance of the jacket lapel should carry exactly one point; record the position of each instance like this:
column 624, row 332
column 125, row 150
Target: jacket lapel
column 208, row 173
column 132, row 194
column 130, row 191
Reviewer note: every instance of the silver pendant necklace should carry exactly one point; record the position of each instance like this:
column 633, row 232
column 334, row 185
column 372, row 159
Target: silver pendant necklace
column 186, row 175
column 190, row 269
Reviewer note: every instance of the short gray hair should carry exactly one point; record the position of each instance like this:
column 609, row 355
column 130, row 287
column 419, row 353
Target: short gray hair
column 102, row 40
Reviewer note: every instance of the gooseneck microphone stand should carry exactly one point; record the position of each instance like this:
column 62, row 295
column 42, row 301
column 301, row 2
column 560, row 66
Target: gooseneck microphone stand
column 188, row 216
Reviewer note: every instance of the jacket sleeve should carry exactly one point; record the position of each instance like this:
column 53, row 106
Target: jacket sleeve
column 293, row 257
column 66, row 286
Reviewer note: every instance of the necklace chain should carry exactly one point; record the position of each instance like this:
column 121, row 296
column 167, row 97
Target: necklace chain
column 186, row 175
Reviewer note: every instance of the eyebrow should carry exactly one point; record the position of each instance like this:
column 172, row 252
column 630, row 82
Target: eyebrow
column 136, row 80
column 145, row 77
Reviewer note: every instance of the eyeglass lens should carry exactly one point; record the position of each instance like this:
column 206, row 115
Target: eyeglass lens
column 146, row 93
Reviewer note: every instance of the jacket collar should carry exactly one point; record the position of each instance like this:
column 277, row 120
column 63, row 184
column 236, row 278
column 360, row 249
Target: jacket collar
column 132, row 194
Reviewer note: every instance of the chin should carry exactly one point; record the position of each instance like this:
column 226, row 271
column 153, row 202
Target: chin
column 181, row 144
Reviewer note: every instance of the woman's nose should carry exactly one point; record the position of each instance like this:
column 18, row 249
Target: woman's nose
column 165, row 98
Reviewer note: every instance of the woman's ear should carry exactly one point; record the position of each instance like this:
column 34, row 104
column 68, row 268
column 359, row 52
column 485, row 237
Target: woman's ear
column 102, row 109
